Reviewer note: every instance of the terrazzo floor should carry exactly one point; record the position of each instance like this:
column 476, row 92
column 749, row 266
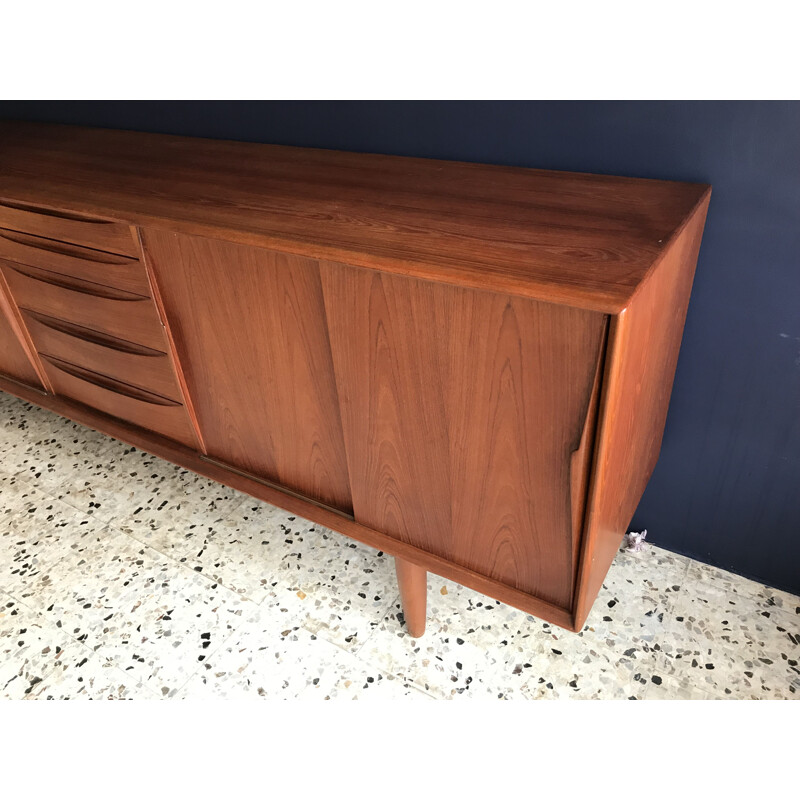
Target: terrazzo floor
column 123, row 576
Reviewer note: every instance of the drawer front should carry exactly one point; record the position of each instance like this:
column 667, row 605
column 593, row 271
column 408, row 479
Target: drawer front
column 115, row 237
column 127, row 362
column 120, row 400
column 109, row 269
column 121, row 314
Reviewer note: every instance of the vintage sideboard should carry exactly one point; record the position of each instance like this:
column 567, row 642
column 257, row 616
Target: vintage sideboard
column 466, row 366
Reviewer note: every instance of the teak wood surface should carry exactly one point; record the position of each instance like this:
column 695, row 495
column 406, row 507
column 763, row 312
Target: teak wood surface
column 249, row 329
column 461, row 412
column 122, row 400
column 67, row 226
column 14, row 360
column 640, row 366
column 573, row 238
column 464, row 365
column 144, row 367
column 107, row 269
column 413, row 584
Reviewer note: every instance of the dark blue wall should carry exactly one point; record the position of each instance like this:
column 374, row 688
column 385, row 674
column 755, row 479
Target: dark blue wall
column 727, row 487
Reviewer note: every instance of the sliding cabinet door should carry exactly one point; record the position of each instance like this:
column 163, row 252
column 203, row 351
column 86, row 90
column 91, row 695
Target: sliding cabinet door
column 467, row 420
column 250, row 334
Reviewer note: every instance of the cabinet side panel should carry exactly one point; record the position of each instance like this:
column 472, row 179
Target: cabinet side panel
column 644, row 341
column 462, row 410
column 249, row 330
column 14, row 360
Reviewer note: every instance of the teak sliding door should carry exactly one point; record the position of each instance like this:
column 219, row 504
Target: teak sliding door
column 250, row 334
column 463, row 413
column 452, row 419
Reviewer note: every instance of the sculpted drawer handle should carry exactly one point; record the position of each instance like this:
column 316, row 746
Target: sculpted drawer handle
column 95, row 337
column 84, row 287
column 52, row 246
column 109, row 384
column 49, row 212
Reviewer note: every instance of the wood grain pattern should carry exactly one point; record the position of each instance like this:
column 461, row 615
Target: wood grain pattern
column 172, row 350
column 120, row 400
column 644, row 343
column 249, row 328
column 413, row 584
column 189, row 459
column 15, row 360
column 131, row 363
column 66, row 226
column 581, row 463
column 461, row 411
column 120, row 314
column 586, row 240
column 107, row 269
column 464, row 365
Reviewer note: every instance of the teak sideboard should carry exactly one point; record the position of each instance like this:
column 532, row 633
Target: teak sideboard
column 466, row 366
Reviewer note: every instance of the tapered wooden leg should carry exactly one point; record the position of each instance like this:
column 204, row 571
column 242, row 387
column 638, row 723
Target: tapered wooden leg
column 413, row 583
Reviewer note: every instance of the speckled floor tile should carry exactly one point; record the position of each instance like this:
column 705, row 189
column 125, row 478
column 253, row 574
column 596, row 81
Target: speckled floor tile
column 731, row 646
column 148, row 497
column 20, row 420
column 242, row 552
column 364, row 684
column 615, row 656
column 123, row 576
column 666, row 688
column 54, row 452
column 653, row 573
column 575, row 670
column 154, row 619
column 293, row 664
column 591, row 665
column 88, row 676
column 31, row 649
column 639, row 591
column 336, row 588
column 498, row 651
column 473, row 646
column 13, row 491
column 38, row 535
column 713, row 581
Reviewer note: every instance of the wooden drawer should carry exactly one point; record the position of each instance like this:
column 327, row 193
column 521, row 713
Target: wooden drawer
column 121, row 400
column 140, row 366
column 121, row 314
column 115, row 237
column 109, row 269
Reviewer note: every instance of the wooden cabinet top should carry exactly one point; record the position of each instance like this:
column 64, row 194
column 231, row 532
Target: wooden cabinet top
column 572, row 238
